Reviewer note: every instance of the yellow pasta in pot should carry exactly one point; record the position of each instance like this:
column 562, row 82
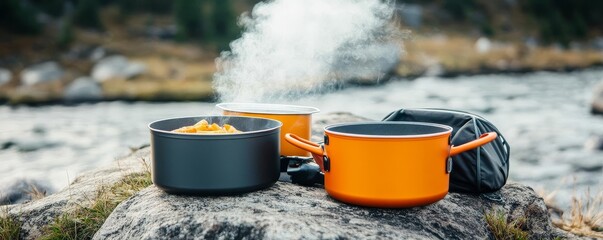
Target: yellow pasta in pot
column 201, row 123
column 203, row 127
column 186, row 129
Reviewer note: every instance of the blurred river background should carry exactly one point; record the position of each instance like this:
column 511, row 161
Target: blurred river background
column 545, row 117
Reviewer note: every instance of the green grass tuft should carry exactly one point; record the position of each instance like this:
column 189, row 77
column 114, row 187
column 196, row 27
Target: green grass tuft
column 504, row 228
column 86, row 220
column 10, row 227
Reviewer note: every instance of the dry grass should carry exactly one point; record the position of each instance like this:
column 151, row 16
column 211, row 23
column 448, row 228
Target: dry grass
column 84, row 221
column 10, row 227
column 177, row 69
column 585, row 217
column 504, row 228
column 42, row 92
column 35, row 193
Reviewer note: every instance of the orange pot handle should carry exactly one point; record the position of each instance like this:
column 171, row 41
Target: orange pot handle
column 482, row 140
column 303, row 144
column 314, row 148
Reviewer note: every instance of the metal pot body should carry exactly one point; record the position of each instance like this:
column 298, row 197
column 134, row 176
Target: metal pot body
column 376, row 164
column 215, row 164
column 295, row 119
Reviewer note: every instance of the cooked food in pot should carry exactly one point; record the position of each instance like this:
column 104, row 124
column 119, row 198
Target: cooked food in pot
column 203, row 127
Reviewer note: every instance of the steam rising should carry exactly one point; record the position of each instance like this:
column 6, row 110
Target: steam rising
column 294, row 47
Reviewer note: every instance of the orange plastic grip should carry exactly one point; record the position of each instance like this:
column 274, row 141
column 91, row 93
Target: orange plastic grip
column 482, row 140
column 303, row 144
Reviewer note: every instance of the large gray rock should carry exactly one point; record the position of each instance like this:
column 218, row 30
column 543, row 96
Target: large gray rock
column 116, row 66
column 5, row 76
column 35, row 215
column 43, row 72
column 289, row 211
column 83, row 89
column 597, row 103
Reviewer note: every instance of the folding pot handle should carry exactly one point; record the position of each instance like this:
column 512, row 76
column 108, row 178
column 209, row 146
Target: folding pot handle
column 482, row 140
column 311, row 147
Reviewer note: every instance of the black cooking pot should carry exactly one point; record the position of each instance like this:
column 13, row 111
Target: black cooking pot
column 215, row 164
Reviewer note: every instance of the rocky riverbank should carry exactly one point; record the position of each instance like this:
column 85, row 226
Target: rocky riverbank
column 97, row 74
column 164, row 71
column 284, row 210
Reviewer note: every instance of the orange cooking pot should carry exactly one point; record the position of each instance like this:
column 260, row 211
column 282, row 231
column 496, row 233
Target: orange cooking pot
column 295, row 119
column 393, row 164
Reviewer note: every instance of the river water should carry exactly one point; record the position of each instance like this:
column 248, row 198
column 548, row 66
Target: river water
column 544, row 116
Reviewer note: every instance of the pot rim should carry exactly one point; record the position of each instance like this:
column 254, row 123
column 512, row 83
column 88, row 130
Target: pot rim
column 280, row 124
column 267, row 108
column 447, row 129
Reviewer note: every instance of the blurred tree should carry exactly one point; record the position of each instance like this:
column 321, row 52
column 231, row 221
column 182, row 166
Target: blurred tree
column 486, row 28
column 51, row 7
column 224, row 23
column 127, row 7
column 459, row 9
column 188, row 19
column 66, row 35
column 564, row 20
column 19, row 16
column 87, row 14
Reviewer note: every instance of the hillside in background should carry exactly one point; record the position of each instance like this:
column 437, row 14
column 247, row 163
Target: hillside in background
column 542, row 21
column 174, row 42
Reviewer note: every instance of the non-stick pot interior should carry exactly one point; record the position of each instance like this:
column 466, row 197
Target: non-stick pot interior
column 393, row 129
column 245, row 124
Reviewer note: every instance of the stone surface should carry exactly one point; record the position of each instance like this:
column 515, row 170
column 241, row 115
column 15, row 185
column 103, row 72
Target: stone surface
column 5, row 76
column 597, row 102
column 21, row 190
column 83, row 89
column 594, row 143
column 35, row 215
column 289, row 211
column 43, row 72
column 98, row 53
column 116, row 66
column 483, row 45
